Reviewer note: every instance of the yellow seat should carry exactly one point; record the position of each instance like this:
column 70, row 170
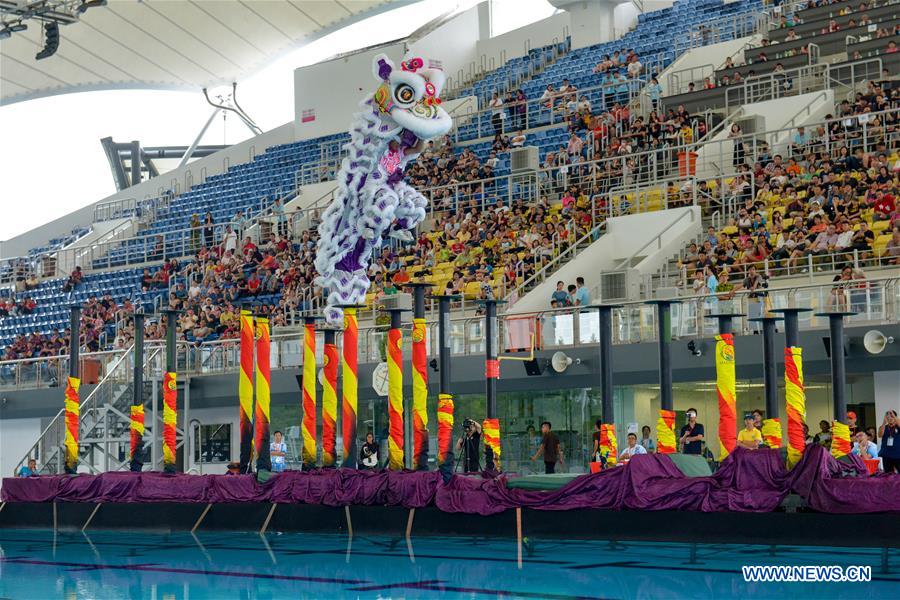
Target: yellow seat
column 880, row 226
column 472, row 290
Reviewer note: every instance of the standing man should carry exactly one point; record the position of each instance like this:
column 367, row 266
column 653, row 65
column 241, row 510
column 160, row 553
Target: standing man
column 749, row 437
column 691, row 439
column 550, row 448
column 278, row 453
column 468, row 445
column 851, row 422
column 368, row 453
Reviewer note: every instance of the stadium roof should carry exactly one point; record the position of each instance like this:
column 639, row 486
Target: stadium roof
column 165, row 44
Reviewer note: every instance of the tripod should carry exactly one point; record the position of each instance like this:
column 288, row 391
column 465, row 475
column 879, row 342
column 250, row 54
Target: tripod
column 465, row 456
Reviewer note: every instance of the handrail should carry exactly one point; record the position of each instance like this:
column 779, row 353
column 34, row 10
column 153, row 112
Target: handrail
column 656, row 238
column 82, row 404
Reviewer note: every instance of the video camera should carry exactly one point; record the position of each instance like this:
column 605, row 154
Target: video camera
column 468, row 423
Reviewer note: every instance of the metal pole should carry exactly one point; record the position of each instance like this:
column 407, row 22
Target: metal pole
column 664, row 338
column 170, row 340
column 604, row 312
column 74, row 340
column 838, row 362
column 770, row 372
column 445, row 397
column 791, row 325
column 492, row 366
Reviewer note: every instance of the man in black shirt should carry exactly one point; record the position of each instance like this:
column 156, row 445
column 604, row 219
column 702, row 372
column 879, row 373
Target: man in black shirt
column 550, row 448
column 468, row 446
column 368, row 453
column 691, row 439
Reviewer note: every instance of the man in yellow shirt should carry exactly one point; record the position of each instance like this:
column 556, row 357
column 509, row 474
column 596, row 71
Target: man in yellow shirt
column 749, row 437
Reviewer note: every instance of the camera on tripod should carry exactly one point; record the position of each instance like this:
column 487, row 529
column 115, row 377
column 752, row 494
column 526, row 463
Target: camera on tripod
column 468, row 423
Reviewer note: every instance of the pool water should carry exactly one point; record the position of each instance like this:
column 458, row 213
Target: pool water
column 101, row 565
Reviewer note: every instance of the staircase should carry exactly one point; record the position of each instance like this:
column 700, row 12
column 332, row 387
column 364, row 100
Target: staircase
column 104, row 420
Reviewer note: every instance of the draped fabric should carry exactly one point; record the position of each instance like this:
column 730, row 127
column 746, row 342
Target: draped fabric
column 608, row 444
column 395, row 398
column 170, row 418
column 747, row 481
column 263, row 395
column 726, row 389
column 245, row 391
column 329, row 404
column 796, row 404
column 420, row 394
column 491, row 431
column 136, row 430
column 771, row 432
column 445, row 426
column 73, row 410
column 308, row 424
column 349, row 386
column 665, row 432
column 840, row 439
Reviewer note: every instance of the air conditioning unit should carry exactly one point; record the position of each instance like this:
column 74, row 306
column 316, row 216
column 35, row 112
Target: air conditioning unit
column 524, row 159
column 396, row 301
column 751, row 124
column 620, row 285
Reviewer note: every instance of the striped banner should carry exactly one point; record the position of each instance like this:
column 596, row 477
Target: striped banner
column 665, row 432
column 263, row 395
column 609, row 447
column 395, row 397
column 840, row 439
column 245, row 391
column 350, row 386
column 445, row 427
column 420, row 394
column 796, row 404
column 726, row 389
column 490, row 428
column 329, row 404
column 72, row 403
column 771, row 432
column 170, row 418
column 137, row 430
column 309, row 395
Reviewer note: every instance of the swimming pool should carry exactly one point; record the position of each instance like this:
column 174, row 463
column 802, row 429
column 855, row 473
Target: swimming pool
column 106, row 565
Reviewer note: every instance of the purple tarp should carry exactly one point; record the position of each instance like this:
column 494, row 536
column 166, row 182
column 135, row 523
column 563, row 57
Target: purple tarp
column 745, row 482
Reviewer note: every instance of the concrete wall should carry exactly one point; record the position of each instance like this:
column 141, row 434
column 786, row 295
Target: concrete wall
column 16, row 436
column 516, row 43
column 624, row 236
column 454, row 43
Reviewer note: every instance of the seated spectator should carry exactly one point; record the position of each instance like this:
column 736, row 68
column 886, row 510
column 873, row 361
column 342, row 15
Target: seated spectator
column 863, row 447
column 29, row 470
column 74, row 280
column 631, row 450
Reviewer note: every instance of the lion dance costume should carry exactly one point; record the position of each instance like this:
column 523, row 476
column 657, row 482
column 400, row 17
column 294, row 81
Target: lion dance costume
column 372, row 200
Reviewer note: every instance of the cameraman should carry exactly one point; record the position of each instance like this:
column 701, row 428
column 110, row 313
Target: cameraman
column 468, row 445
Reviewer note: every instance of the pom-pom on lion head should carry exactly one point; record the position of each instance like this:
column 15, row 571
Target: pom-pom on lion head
column 411, row 95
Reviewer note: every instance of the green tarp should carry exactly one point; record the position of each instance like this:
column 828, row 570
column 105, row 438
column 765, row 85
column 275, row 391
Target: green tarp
column 689, row 464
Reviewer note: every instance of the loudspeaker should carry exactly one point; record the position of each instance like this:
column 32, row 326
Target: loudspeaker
column 532, row 367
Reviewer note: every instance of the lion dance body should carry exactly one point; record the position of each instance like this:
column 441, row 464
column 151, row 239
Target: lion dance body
column 372, row 200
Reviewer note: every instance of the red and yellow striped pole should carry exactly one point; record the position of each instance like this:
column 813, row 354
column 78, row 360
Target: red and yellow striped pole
column 771, row 432
column 420, row 395
column 491, row 430
column 608, row 444
column 245, row 391
column 309, row 394
column 137, row 431
column 350, row 385
column 329, row 400
column 170, row 397
column 665, row 432
column 796, row 404
column 170, row 419
column 263, row 395
column 726, row 391
column 840, row 439
column 445, row 427
column 72, row 422
column 395, row 392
